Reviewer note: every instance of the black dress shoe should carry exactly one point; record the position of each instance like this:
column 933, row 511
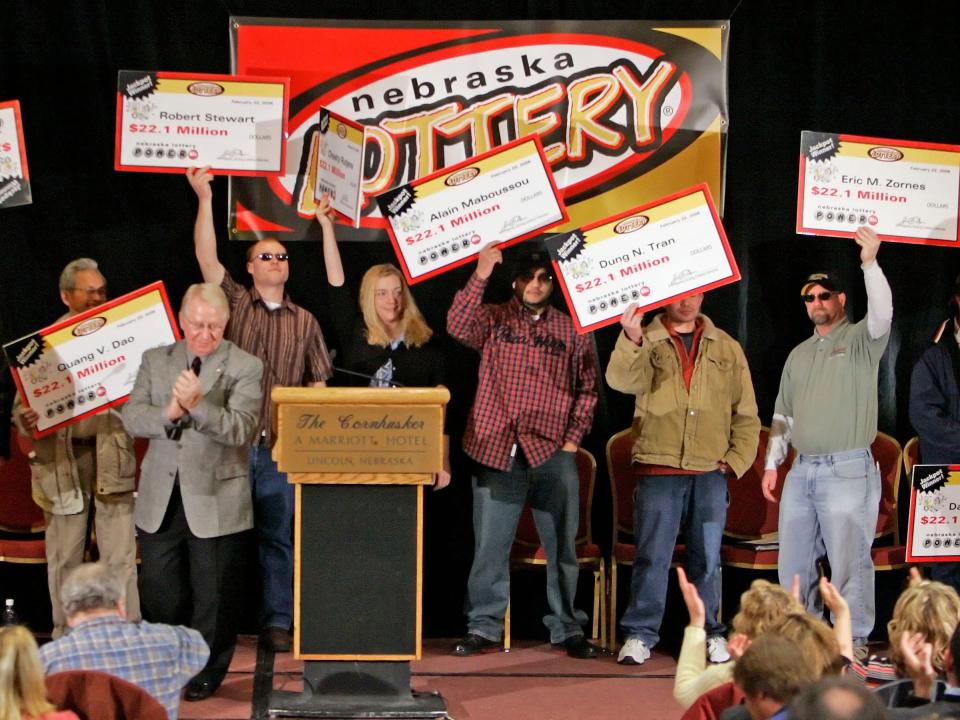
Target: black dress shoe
column 276, row 640
column 198, row 689
column 473, row 644
column 578, row 647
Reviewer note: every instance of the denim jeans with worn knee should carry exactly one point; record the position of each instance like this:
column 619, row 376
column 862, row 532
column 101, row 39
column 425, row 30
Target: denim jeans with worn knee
column 829, row 507
column 662, row 505
column 553, row 491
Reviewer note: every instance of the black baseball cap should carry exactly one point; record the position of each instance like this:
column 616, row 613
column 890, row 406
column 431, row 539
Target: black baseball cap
column 828, row 280
column 531, row 259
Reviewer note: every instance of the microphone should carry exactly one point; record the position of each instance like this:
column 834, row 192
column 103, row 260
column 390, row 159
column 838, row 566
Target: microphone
column 373, row 378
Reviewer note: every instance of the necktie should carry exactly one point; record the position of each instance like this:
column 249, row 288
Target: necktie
column 195, row 366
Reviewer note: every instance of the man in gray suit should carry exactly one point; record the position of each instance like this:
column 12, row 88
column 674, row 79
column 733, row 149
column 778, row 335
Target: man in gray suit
column 198, row 401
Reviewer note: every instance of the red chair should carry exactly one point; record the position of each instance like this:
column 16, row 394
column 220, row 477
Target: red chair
column 887, row 552
column 911, row 455
column 95, row 695
column 527, row 551
column 751, row 519
column 622, row 549
column 20, row 517
column 18, row 512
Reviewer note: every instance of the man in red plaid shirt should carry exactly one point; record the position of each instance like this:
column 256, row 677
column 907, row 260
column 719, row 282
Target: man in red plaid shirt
column 535, row 400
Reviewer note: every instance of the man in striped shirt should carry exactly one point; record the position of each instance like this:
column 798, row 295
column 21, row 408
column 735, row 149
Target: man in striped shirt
column 535, row 400
column 159, row 658
column 287, row 338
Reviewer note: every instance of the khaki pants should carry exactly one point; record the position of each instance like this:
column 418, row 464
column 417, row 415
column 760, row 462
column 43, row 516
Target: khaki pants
column 66, row 538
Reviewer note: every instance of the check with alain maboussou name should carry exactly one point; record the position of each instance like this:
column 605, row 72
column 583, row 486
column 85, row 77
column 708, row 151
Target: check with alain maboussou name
column 89, row 362
column 652, row 255
column 441, row 221
column 167, row 122
column 906, row 191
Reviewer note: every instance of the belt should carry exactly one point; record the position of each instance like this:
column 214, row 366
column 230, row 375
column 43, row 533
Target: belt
column 84, row 442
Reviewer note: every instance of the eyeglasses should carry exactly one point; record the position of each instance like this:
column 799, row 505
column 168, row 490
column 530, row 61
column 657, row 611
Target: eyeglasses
column 92, row 292
column 544, row 277
column 267, row 257
column 821, row 296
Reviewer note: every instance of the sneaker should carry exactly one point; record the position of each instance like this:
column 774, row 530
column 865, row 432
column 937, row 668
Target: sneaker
column 861, row 652
column 717, row 649
column 633, row 652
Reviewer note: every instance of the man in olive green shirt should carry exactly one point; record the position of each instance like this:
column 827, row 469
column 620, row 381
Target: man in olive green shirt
column 827, row 409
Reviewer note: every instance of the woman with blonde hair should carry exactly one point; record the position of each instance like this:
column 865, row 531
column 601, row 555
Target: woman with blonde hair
column 23, row 695
column 762, row 605
column 927, row 607
column 387, row 343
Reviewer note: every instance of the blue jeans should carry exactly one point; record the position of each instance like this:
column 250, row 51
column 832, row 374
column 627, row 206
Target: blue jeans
column 662, row 505
column 273, row 499
column 553, row 491
column 829, row 506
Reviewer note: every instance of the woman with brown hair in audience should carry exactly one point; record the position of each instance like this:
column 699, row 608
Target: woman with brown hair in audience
column 23, row 695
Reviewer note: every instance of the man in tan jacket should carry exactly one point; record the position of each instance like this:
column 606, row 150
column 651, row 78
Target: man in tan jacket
column 88, row 463
column 695, row 422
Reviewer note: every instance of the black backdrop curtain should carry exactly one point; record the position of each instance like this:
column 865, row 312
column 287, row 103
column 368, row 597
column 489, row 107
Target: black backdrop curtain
column 885, row 69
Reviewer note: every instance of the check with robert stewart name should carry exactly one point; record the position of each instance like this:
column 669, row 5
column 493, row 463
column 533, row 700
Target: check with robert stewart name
column 441, row 221
column 89, row 362
column 167, row 122
column 652, row 255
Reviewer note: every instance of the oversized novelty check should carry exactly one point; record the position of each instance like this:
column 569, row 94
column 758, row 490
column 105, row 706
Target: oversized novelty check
column 652, row 255
column 933, row 527
column 170, row 121
column 906, row 191
column 14, row 178
column 340, row 165
column 89, row 362
column 441, row 221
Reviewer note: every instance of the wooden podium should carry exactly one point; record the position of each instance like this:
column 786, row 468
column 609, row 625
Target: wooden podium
column 359, row 459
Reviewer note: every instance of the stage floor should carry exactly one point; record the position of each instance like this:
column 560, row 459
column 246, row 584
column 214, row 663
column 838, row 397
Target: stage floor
column 531, row 682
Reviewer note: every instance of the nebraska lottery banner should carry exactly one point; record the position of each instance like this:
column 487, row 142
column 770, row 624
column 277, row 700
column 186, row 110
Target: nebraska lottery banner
column 626, row 112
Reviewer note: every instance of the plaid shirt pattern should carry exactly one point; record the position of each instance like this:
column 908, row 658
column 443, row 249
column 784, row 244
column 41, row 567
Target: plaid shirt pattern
column 538, row 378
column 288, row 341
column 159, row 658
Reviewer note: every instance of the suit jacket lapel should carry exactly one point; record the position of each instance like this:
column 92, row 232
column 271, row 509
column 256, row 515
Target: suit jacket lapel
column 213, row 366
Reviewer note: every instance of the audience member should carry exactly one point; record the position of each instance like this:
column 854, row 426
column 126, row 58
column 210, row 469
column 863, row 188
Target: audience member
column 917, row 657
column 763, row 605
column 23, row 695
column 837, row 698
column 929, row 608
column 695, row 424
column 827, row 409
column 159, row 658
column 287, row 339
column 88, row 466
column 535, row 400
column 198, row 401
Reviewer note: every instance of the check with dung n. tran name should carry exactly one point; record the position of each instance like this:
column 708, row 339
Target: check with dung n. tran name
column 651, row 255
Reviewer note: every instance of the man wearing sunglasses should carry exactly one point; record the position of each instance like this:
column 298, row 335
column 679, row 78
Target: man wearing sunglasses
column 827, row 409
column 535, row 400
column 287, row 338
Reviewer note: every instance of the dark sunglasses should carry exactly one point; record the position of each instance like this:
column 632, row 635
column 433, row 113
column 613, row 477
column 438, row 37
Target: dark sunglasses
column 821, row 296
column 267, row 257
column 543, row 277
